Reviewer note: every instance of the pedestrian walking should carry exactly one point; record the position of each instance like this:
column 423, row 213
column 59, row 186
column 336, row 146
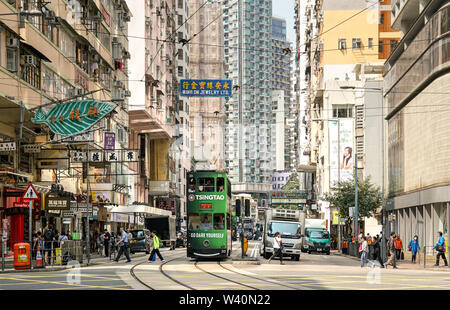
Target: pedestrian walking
column 277, row 248
column 364, row 251
column 123, row 245
column 49, row 237
column 129, row 234
column 155, row 250
column 101, row 242
column 414, row 247
column 38, row 241
column 440, row 248
column 106, row 241
column 398, row 247
column 377, row 250
column 391, row 250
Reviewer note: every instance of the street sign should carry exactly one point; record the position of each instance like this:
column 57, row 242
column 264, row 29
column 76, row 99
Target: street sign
column 205, row 88
column 30, row 193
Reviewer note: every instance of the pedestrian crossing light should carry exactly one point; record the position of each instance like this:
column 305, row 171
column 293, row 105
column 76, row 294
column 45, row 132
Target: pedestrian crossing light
column 309, row 202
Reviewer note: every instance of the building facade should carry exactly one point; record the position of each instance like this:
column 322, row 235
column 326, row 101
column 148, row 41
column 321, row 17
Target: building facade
column 415, row 92
column 207, row 115
column 51, row 53
column 248, row 55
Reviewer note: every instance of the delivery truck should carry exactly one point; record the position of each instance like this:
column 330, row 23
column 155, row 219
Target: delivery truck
column 316, row 237
column 164, row 226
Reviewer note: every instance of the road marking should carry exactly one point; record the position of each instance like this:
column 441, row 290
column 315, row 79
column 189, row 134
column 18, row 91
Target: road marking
column 58, row 283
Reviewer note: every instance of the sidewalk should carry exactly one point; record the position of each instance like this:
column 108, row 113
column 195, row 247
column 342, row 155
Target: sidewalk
column 406, row 263
column 94, row 260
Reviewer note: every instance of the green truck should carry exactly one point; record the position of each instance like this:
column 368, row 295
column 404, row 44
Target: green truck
column 316, row 237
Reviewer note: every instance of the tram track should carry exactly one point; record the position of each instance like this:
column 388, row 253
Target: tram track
column 256, row 278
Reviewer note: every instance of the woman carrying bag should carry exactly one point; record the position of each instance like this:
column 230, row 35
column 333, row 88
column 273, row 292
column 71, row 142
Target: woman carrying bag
column 277, row 248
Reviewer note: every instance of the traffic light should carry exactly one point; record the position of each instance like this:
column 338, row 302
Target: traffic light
column 247, row 207
column 309, row 202
column 238, row 207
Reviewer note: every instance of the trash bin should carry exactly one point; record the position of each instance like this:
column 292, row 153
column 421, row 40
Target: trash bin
column 22, row 256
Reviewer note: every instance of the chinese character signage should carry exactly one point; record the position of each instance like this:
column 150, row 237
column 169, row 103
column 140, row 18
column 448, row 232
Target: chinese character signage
column 205, row 88
column 113, row 156
column 110, row 141
column 57, row 203
column 73, row 117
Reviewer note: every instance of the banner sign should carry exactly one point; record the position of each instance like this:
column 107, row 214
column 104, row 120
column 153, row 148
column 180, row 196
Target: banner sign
column 114, row 156
column 342, row 151
column 100, row 196
column 110, row 141
column 205, row 88
column 73, row 117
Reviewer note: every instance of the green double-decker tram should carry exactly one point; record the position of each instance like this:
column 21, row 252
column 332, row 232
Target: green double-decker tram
column 209, row 215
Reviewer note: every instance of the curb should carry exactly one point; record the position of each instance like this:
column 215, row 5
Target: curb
column 51, row 269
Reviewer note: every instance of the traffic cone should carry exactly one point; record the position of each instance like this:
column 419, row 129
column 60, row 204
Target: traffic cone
column 38, row 258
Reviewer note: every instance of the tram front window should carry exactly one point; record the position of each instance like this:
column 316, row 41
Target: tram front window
column 206, row 185
column 194, row 221
column 219, row 221
column 206, row 222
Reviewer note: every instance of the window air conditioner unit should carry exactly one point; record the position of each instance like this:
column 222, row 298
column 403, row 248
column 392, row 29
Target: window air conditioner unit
column 126, row 17
column 127, row 93
column 12, row 42
column 117, row 83
column 80, row 91
column 115, row 40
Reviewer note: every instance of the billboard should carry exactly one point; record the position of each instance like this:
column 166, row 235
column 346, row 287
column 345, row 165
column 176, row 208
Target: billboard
column 341, row 150
column 205, row 88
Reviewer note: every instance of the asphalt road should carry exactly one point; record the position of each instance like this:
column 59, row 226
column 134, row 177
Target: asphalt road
column 312, row 272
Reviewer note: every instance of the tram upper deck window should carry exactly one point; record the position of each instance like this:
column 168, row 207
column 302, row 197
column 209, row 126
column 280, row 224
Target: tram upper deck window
column 219, row 221
column 194, row 221
column 191, row 185
column 220, row 184
column 206, row 185
column 206, row 222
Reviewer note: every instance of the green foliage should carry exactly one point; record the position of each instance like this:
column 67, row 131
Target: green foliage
column 293, row 183
column 343, row 197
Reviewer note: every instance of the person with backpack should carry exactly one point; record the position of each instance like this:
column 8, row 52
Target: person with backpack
column 364, row 250
column 123, row 244
column 49, row 237
column 277, row 248
column 414, row 247
column 440, row 248
column 155, row 249
column 391, row 249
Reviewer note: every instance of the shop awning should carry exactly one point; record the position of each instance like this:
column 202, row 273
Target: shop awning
column 131, row 209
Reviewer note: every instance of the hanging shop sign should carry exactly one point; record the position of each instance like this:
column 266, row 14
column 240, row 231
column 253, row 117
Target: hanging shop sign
column 73, row 117
column 7, row 146
column 112, row 156
column 57, row 203
column 32, row 148
column 119, row 218
column 100, row 196
column 110, row 141
column 205, row 88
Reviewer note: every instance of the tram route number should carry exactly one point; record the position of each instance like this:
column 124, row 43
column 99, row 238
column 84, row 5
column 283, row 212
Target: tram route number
column 207, row 235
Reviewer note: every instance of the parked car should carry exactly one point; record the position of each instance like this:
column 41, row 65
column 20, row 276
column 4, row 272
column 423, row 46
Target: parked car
column 141, row 241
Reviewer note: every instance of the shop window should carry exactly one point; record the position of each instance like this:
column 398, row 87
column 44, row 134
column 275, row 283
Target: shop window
column 193, row 221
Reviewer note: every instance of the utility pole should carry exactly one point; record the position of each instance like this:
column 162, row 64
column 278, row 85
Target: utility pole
column 88, row 244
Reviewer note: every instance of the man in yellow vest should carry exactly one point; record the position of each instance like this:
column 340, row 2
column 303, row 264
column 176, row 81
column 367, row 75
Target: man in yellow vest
column 155, row 248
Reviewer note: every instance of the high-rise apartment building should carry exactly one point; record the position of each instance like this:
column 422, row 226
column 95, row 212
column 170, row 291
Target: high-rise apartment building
column 281, row 80
column 206, row 61
column 248, row 55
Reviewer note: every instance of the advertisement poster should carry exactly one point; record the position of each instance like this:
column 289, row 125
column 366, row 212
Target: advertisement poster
column 342, row 151
column 101, row 196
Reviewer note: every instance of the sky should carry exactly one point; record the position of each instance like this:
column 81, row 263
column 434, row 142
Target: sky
column 285, row 9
